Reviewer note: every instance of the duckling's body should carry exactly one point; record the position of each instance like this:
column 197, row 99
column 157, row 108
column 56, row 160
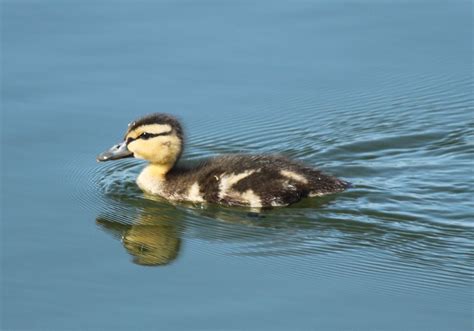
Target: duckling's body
column 235, row 180
column 241, row 180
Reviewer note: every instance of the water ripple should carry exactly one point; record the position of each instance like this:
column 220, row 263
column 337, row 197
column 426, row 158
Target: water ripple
column 409, row 213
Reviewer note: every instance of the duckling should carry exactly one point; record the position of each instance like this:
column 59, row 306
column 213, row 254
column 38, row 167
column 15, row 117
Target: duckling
column 256, row 181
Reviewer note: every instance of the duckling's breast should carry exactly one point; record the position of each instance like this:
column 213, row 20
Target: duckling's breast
column 149, row 182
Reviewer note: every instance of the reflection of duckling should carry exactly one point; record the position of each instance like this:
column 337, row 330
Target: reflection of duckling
column 150, row 242
column 241, row 180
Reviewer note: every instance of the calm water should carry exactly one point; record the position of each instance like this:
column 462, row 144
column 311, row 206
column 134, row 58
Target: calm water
column 378, row 93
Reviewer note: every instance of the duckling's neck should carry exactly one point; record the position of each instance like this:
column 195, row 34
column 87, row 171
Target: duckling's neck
column 152, row 178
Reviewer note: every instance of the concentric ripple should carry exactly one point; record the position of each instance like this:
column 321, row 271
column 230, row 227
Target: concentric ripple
column 409, row 212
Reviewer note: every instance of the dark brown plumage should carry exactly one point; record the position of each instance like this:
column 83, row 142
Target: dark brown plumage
column 267, row 181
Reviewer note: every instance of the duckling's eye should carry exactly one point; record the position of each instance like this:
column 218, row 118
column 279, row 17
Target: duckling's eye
column 145, row 135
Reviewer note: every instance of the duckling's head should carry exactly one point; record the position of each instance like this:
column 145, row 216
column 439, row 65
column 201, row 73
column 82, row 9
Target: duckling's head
column 157, row 138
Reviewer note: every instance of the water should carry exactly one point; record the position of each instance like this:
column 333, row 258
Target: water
column 378, row 93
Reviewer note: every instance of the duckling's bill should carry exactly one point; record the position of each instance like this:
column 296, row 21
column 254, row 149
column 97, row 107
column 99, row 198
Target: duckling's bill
column 119, row 151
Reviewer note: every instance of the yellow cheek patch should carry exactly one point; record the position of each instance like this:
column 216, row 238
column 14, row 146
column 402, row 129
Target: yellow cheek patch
column 158, row 150
column 137, row 146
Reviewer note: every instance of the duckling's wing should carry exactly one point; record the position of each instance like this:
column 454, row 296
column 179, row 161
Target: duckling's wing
column 263, row 181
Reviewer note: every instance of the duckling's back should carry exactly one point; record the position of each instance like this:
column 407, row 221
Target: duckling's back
column 250, row 180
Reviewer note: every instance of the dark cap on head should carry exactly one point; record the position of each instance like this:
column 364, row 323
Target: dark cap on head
column 157, row 118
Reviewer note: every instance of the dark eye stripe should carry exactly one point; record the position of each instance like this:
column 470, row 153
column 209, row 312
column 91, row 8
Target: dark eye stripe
column 146, row 136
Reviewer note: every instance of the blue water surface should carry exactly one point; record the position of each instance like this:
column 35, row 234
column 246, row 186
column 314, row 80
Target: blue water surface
column 378, row 93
